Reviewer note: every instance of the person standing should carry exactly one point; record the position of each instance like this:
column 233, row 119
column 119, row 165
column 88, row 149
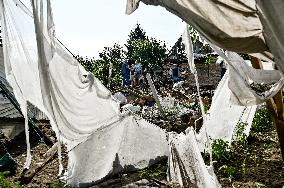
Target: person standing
column 137, row 72
column 132, row 70
column 175, row 73
column 125, row 72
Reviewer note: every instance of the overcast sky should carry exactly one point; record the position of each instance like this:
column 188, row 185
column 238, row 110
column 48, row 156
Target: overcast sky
column 86, row 26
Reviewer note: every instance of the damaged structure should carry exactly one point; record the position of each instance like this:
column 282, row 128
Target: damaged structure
column 100, row 139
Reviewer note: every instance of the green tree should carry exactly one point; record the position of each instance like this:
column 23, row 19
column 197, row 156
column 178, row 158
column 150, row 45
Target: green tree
column 87, row 63
column 148, row 51
column 137, row 34
column 114, row 55
column 100, row 67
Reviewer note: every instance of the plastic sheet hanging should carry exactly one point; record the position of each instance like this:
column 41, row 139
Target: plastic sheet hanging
column 223, row 116
column 242, row 77
column 186, row 165
column 82, row 112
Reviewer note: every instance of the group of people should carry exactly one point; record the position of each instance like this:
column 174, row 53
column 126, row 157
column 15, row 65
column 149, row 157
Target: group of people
column 131, row 74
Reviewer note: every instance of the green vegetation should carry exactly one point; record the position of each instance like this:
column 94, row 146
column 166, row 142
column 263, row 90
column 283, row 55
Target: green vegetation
column 221, row 151
column 100, row 67
column 262, row 121
column 228, row 171
column 231, row 161
column 154, row 171
column 4, row 183
column 240, row 137
column 148, row 51
column 57, row 185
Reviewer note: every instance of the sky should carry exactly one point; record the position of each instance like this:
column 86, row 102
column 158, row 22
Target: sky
column 87, row 26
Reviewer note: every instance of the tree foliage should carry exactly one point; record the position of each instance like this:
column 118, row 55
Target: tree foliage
column 100, row 67
column 148, row 51
column 137, row 34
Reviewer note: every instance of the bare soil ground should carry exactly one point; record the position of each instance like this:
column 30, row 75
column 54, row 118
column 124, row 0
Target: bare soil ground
column 264, row 166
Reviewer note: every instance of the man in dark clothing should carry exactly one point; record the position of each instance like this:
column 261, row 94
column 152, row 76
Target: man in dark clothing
column 125, row 72
column 176, row 73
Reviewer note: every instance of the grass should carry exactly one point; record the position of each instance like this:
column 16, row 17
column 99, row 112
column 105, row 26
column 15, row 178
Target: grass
column 4, row 183
column 154, row 171
column 57, row 184
column 231, row 161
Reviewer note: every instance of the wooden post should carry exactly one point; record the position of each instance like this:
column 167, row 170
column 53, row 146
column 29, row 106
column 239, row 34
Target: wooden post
column 276, row 108
column 27, row 176
column 154, row 91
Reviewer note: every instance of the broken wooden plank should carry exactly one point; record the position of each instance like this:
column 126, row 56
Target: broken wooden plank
column 27, row 175
column 154, row 92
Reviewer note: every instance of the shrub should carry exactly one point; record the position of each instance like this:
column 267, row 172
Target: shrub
column 262, row 121
column 228, row 171
column 4, row 183
column 221, row 151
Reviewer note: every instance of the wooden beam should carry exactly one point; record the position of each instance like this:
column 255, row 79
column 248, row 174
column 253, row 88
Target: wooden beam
column 271, row 106
column 154, row 92
column 275, row 107
column 27, row 176
column 256, row 63
column 279, row 104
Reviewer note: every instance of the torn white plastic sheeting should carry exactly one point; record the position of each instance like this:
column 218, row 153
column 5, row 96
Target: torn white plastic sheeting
column 239, row 82
column 241, row 76
column 190, row 58
column 222, row 117
column 247, row 26
column 186, row 165
column 80, row 108
column 120, row 97
column 131, row 107
column 6, row 108
column 124, row 146
column 232, row 25
column 2, row 67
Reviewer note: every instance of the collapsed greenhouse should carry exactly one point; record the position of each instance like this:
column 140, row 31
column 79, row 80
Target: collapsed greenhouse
column 100, row 139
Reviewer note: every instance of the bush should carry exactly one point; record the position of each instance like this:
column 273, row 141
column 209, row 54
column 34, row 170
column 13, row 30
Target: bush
column 57, row 185
column 228, row 171
column 221, row 151
column 4, row 183
column 155, row 171
column 262, row 121
column 239, row 136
